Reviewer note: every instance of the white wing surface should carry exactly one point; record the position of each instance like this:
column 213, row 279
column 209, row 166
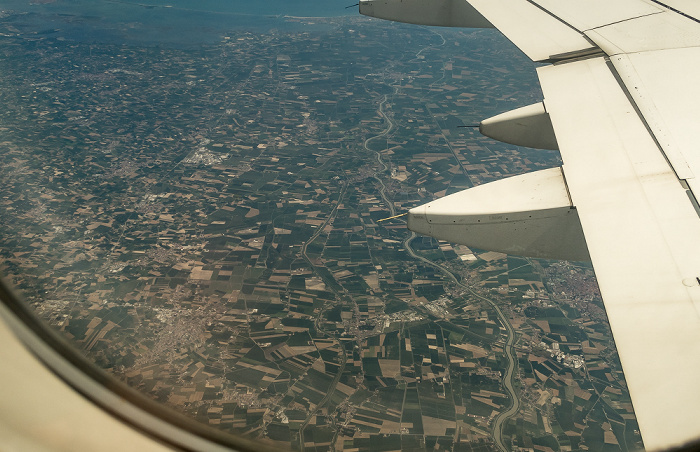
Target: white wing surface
column 643, row 236
column 623, row 98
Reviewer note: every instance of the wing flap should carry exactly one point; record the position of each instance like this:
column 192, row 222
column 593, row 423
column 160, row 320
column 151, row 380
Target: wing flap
column 643, row 236
column 664, row 87
column 538, row 34
column 588, row 14
column 690, row 8
column 671, row 31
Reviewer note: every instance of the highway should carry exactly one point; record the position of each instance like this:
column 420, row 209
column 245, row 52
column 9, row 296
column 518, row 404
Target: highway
column 508, row 348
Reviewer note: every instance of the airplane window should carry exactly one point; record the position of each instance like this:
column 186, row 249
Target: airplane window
column 191, row 195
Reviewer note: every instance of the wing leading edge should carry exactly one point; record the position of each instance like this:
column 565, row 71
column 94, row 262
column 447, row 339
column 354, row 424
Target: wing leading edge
column 626, row 127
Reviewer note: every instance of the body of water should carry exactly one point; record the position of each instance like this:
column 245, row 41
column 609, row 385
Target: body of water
column 161, row 22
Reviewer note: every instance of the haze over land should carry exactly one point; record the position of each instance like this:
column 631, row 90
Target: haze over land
column 193, row 198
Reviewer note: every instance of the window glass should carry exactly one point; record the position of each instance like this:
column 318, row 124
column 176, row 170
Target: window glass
column 191, row 193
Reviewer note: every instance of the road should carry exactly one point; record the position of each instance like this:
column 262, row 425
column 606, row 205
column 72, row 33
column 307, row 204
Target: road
column 385, row 167
column 339, row 295
column 509, row 349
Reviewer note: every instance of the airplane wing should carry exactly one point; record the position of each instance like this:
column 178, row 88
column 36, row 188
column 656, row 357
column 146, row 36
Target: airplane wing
column 622, row 105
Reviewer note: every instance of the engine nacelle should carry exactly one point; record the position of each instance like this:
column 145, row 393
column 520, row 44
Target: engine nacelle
column 445, row 13
column 528, row 215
